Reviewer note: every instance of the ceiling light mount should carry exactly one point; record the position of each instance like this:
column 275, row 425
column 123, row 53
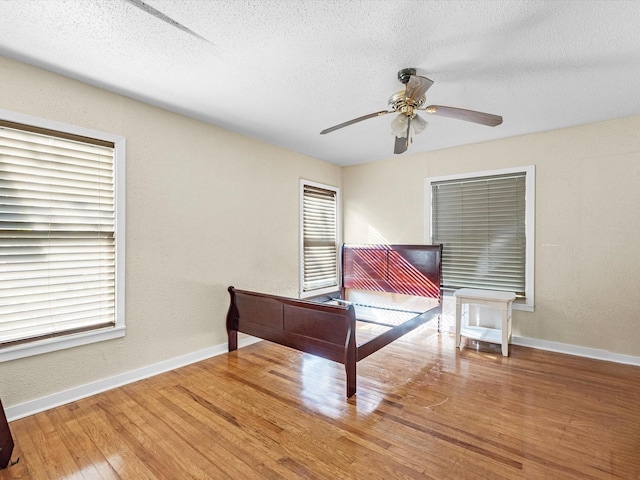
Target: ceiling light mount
column 405, row 74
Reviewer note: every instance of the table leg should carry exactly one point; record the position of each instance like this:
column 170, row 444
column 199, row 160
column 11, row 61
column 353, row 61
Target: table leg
column 458, row 322
column 505, row 333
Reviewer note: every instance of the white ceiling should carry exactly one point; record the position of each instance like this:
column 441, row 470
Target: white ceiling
column 283, row 70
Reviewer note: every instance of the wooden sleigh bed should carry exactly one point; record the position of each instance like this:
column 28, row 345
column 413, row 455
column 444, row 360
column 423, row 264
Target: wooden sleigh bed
column 386, row 292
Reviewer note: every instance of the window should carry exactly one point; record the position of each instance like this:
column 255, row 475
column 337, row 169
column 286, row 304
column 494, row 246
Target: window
column 319, row 239
column 485, row 222
column 61, row 236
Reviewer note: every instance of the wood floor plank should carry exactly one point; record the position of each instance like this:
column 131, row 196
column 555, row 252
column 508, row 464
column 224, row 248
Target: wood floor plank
column 230, row 450
column 88, row 457
column 105, row 433
column 290, row 429
column 165, row 450
column 58, row 449
column 424, row 410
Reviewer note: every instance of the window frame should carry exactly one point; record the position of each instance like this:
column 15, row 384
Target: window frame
column 64, row 341
column 324, row 290
column 528, row 302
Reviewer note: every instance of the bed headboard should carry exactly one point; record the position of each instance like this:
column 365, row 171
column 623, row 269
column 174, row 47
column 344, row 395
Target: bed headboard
column 403, row 269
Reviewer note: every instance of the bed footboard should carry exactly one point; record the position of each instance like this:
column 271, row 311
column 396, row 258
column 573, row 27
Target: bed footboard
column 327, row 331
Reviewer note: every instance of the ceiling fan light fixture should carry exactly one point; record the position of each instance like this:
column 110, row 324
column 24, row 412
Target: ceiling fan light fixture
column 399, row 125
column 418, row 124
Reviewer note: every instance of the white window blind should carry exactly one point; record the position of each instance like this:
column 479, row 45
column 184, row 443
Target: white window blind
column 57, row 234
column 319, row 238
column 481, row 223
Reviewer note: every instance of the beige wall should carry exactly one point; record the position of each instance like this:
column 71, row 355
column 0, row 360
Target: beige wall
column 206, row 209
column 587, row 226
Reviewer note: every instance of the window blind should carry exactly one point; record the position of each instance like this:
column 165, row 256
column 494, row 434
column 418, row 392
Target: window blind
column 57, row 234
column 320, row 242
column 481, row 223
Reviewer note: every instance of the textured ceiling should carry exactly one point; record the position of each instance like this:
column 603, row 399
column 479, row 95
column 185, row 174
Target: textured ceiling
column 283, row 70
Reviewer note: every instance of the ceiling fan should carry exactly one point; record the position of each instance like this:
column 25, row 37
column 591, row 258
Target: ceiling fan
column 406, row 103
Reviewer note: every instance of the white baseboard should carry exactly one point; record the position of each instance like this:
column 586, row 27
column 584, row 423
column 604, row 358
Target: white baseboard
column 576, row 350
column 61, row 398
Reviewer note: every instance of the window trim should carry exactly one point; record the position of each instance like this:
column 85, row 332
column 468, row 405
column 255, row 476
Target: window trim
column 325, row 290
column 51, row 344
column 527, row 303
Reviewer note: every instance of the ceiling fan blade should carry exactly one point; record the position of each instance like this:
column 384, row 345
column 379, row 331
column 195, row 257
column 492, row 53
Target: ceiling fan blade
column 467, row 115
column 355, row 120
column 401, row 145
column 417, row 86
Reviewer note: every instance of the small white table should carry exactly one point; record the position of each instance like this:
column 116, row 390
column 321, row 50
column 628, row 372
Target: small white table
column 500, row 300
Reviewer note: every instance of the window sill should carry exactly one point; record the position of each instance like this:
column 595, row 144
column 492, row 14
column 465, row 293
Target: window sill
column 59, row 343
column 525, row 307
column 319, row 292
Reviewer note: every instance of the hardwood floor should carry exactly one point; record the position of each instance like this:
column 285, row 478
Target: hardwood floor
column 422, row 411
